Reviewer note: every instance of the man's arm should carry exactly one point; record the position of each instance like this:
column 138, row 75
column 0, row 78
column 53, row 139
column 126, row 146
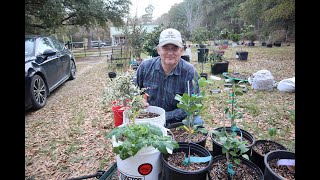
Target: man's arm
column 175, row 115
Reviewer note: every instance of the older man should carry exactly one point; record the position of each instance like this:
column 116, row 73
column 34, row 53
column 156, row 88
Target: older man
column 167, row 75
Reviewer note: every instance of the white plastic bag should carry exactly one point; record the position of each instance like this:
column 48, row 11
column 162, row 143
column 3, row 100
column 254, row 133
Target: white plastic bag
column 262, row 80
column 287, row 85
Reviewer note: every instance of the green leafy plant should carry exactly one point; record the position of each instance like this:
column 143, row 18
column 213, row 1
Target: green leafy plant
column 232, row 145
column 130, row 138
column 136, row 136
column 200, row 35
column 151, row 41
column 216, row 56
column 120, row 91
column 192, row 104
column 234, row 37
column 251, row 36
column 272, row 132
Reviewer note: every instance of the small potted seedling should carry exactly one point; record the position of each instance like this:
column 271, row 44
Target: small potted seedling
column 233, row 142
column 190, row 160
column 263, row 146
column 192, row 104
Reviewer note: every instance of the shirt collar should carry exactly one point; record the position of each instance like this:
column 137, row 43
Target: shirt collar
column 176, row 70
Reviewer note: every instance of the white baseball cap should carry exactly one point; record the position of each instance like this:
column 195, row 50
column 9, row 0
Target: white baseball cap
column 170, row 36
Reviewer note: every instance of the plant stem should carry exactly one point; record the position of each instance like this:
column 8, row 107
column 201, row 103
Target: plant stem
column 232, row 104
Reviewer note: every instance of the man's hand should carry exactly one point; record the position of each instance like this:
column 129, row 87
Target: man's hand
column 145, row 102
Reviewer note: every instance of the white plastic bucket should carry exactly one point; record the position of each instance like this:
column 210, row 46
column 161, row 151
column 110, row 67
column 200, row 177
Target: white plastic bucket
column 146, row 164
column 161, row 120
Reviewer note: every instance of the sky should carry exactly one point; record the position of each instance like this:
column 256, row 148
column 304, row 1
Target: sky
column 161, row 7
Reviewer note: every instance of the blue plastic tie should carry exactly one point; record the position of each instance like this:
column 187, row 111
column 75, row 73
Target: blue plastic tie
column 195, row 159
column 230, row 169
column 235, row 128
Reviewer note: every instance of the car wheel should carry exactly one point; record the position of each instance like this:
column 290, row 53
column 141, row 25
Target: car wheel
column 39, row 92
column 72, row 70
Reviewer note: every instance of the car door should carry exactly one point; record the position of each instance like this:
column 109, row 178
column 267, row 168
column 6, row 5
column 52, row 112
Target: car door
column 64, row 57
column 48, row 65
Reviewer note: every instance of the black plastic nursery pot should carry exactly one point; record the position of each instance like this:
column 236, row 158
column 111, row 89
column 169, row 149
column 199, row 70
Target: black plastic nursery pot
column 242, row 55
column 202, row 54
column 204, row 75
column 251, row 44
column 112, row 75
column 269, row 174
column 170, row 172
column 219, row 67
column 217, row 147
column 186, row 58
column 257, row 158
column 222, row 169
column 177, row 124
column 277, row 43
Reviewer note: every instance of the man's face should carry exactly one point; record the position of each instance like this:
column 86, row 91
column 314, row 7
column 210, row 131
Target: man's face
column 170, row 54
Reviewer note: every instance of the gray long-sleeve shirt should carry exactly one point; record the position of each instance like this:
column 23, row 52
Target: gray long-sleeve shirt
column 162, row 89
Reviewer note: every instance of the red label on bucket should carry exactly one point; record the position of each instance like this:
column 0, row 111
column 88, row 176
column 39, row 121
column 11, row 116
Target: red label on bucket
column 145, row 169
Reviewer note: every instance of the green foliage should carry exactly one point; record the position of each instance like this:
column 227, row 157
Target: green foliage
column 193, row 105
column 151, row 40
column 224, row 33
column 131, row 138
column 232, row 146
column 245, row 29
column 234, row 37
column 251, row 36
column 232, row 110
column 51, row 15
column 121, row 90
column 124, row 92
column 135, row 37
column 215, row 56
column 200, row 35
column 272, row 132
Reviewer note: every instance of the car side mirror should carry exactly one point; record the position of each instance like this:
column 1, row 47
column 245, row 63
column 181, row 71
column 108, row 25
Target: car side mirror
column 45, row 55
column 49, row 52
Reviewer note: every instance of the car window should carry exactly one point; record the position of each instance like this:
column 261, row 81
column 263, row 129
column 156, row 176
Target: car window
column 29, row 46
column 57, row 45
column 44, row 44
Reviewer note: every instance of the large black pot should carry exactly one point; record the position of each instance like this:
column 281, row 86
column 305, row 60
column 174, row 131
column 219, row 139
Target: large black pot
column 219, row 67
column 217, row 147
column 177, row 124
column 186, row 57
column 242, row 55
column 269, row 174
column 257, row 158
column 244, row 161
column 202, row 55
column 170, row 172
